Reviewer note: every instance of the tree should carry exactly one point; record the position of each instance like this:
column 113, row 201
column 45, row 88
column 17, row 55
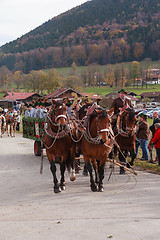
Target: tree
column 54, row 81
column 135, row 71
column 109, row 77
column 73, row 82
column 5, row 77
column 138, row 50
column 18, row 78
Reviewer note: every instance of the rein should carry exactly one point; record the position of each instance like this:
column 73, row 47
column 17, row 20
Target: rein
column 121, row 131
column 96, row 140
column 54, row 135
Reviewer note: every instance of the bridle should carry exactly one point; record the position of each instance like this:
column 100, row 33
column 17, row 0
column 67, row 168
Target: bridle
column 126, row 132
column 97, row 140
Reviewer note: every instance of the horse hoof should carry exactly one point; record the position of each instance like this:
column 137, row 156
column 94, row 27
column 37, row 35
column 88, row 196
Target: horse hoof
column 57, row 190
column 62, row 187
column 129, row 164
column 72, row 178
column 100, row 189
column 94, row 188
column 122, row 171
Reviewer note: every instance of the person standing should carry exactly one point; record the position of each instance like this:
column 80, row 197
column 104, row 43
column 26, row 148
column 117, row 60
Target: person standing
column 142, row 136
column 156, row 119
column 30, row 112
column 156, row 141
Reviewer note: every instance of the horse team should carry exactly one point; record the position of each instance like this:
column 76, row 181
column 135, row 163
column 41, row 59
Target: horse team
column 8, row 123
column 88, row 132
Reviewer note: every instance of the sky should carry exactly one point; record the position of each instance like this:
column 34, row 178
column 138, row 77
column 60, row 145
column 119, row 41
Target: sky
column 18, row 17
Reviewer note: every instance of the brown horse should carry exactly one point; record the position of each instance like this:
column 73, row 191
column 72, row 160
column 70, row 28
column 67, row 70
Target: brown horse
column 125, row 135
column 10, row 120
column 97, row 143
column 2, row 124
column 58, row 142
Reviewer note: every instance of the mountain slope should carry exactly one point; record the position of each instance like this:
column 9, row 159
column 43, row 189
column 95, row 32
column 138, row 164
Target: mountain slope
column 127, row 29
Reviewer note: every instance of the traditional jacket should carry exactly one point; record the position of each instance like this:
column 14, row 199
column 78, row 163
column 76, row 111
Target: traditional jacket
column 143, row 130
column 119, row 103
column 152, row 128
column 156, row 138
column 31, row 113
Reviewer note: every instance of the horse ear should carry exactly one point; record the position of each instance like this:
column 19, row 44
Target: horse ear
column 137, row 112
column 53, row 101
column 65, row 100
column 110, row 112
column 97, row 110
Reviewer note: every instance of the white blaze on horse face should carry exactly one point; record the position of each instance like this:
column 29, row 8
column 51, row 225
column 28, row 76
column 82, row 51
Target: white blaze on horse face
column 104, row 130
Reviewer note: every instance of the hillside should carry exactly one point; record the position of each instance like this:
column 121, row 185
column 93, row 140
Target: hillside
column 101, row 31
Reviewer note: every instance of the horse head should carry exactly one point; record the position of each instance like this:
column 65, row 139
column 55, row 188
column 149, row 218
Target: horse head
column 102, row 124
column 83, row 110
column 129, row 121
column 59, row 113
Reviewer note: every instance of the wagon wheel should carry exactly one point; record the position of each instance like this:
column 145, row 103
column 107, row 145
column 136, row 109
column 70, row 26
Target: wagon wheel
column 37, row 148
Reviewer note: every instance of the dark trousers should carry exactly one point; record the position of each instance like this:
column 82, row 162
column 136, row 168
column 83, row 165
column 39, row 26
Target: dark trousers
column 158, row 155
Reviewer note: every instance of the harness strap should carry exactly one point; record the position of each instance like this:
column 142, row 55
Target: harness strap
column 60, row 116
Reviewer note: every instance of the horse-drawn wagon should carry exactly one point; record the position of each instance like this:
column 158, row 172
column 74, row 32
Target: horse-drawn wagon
column 33, row 129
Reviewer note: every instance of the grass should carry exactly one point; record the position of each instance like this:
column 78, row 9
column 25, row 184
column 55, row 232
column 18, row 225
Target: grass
column 105, row 89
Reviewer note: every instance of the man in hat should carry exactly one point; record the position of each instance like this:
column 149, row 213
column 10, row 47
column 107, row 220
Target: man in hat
column 120, row 104
column 142, row 136
column 30, row 112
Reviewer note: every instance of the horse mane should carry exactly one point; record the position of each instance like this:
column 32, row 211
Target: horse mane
column 102, row 114
column 58, row 103
column 131, row 113
column 82, row 110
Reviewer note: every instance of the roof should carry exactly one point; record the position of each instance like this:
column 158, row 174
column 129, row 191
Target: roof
column 18, row 95
column 150, row 94
column 57, row 93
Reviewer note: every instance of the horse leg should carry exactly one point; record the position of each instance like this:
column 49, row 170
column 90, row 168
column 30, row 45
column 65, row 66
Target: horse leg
column 11, row 130
column 8, row 129
column 55, row 181
column 62, row 169
column 14, row 130
column 96, row 169
column 133, row 156
column 101, row 177
column 122, row 159
column 71, row 155
column 93, row 185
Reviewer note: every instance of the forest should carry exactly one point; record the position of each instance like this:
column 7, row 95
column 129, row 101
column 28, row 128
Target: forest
column 97, row 32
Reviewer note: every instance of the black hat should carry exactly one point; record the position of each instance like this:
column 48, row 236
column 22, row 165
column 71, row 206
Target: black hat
column 30, row 105
column 69, row 103
column 123, row 91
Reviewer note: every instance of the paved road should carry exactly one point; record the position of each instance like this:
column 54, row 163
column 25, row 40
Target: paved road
column 128, row 209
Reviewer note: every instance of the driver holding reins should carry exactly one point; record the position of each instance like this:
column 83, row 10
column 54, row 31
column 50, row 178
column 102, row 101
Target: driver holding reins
column 119, row 104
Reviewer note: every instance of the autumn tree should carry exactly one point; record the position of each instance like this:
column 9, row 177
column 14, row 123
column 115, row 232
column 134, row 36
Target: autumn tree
column 138, row 50
column 54, row 81
column 5, row 77
column 109, row 77
column 73, row 82
column 135, row 72
column 18, row 78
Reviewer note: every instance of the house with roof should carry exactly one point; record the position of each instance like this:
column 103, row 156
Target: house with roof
column 152, row 76
column 21, row 97
column 60, row 93
column 153, row 96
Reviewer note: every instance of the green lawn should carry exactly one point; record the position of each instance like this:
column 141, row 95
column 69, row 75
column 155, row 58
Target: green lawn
column 105, row 90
